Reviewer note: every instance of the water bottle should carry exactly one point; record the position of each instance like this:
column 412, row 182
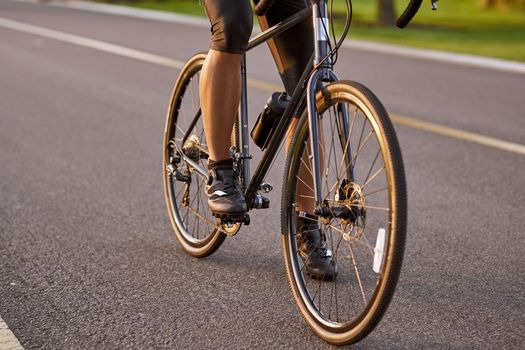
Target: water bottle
column 269, row 118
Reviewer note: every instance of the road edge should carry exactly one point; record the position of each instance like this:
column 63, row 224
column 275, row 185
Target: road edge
column 363, row 45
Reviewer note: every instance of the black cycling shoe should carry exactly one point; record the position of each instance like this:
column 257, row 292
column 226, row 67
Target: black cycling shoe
column 311, row 246
column 224, row 194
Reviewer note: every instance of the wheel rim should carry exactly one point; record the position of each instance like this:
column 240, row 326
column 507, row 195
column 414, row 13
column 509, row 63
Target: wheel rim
column 360, row 287
column 187, row 201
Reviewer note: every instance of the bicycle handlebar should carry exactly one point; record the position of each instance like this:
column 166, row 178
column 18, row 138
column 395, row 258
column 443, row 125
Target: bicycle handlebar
column 409, row 13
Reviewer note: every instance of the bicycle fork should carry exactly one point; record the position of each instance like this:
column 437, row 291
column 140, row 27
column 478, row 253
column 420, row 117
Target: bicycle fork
column 323, row 73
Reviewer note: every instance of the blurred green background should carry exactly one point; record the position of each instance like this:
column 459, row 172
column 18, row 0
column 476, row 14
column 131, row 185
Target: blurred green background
column 494, row 28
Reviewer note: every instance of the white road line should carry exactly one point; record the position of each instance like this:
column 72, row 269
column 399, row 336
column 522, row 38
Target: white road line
column 458, row 134
column 168, row 62
column 135, row 12
column 8, row 340
column 121, row 10
column 91, row 43
column 363, row 45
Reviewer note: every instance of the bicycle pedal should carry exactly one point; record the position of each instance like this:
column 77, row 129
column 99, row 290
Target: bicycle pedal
column 266, row 187
column 231, row 219
column 261, row 202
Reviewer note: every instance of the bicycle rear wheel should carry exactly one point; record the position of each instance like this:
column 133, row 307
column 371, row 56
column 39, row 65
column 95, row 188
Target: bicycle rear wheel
column 184, row 187
column 363, row 214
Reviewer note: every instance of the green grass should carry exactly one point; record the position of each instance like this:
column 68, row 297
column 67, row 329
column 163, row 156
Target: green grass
column 458, row 26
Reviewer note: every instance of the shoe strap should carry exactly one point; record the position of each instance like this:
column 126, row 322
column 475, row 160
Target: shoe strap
column 229, row 186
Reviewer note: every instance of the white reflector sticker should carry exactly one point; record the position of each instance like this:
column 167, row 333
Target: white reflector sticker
column 379, row 249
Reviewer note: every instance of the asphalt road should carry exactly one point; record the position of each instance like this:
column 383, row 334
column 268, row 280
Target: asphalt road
column 87, row 255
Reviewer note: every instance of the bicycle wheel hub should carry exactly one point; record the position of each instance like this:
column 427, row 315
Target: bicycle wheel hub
column 348, row 204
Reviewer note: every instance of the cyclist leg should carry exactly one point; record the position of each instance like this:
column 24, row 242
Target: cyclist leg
column 291, row 51
column 231, row 26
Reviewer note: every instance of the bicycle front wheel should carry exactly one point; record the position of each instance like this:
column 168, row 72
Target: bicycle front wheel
column 185, row 149
column 362, row 215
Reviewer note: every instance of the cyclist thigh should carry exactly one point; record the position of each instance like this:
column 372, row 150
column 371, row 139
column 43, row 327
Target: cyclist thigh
column 292, row 49
column 231, row 24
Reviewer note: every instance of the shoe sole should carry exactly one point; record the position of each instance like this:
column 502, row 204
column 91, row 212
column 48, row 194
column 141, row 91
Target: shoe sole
column 232, row 218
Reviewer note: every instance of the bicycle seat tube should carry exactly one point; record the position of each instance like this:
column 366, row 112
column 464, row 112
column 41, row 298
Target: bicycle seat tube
column 244, row 151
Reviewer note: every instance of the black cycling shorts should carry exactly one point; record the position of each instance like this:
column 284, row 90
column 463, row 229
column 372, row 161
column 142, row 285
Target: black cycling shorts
column 231, row 27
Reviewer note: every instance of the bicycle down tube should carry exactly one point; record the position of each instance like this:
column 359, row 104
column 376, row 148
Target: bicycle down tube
column 320, row 64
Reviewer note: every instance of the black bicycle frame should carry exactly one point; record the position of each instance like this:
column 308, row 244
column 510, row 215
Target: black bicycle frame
column 318, row 70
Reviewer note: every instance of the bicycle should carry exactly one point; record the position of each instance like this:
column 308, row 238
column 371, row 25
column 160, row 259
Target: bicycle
column 358, row 182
